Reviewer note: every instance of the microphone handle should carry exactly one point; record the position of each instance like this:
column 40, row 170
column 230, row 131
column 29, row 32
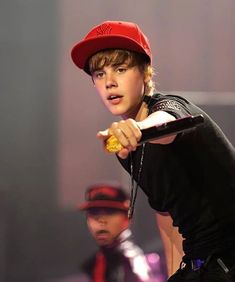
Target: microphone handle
column 170, row 128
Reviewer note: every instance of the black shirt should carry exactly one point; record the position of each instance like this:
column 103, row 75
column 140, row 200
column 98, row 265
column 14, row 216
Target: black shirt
column 193, row 179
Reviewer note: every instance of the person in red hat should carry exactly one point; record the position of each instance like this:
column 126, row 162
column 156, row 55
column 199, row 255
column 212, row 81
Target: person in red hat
column 188, row 176
column 118, row 259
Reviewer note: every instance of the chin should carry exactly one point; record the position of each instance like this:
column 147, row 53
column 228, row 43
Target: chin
column 118, row 112
column 103, row 243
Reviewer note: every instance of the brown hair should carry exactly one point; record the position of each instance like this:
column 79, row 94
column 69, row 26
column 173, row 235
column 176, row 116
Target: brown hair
column 120, row 56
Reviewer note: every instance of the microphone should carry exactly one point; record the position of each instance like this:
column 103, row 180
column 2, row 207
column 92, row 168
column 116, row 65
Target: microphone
column 174, row 127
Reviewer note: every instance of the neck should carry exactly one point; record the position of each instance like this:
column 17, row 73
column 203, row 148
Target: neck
column 143, row 110
column 123, row 236
column 140, row 113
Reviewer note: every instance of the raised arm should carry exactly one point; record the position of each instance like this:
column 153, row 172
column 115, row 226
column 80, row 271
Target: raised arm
column 128, row 132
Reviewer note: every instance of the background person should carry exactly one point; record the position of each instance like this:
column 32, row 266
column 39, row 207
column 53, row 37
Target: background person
column 118, row 259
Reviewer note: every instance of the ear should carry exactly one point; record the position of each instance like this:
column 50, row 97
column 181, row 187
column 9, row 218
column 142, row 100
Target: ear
column 147, row 77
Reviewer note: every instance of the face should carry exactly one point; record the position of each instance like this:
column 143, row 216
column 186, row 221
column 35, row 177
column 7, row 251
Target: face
column 106, row 225
column 121, row 88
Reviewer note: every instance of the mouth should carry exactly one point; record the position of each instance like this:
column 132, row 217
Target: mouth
column 101, row 232
column 113, row 97
column 102, row 236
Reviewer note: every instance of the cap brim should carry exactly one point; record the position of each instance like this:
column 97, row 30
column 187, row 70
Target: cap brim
column 104, row 204
column 82, row 51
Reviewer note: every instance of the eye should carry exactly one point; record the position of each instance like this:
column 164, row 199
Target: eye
column 121, row 69
column 98, row 74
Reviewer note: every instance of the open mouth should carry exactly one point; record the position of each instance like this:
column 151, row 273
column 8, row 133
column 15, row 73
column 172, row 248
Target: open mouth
column 102, row 235
column 113, row 97
column 101, row 232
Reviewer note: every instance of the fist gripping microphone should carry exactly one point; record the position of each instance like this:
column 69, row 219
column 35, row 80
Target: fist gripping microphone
column 112, row 145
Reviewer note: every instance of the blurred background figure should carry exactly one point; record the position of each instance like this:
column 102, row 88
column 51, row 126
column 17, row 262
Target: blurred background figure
column 118, row 258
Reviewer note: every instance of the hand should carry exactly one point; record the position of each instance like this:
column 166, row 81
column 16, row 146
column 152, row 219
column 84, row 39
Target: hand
column 127, row 133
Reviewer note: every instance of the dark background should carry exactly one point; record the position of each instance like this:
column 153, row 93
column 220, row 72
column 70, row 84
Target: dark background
column 50, row 113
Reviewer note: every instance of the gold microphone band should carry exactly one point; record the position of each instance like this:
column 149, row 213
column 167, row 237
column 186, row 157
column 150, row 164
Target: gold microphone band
column 112, row 145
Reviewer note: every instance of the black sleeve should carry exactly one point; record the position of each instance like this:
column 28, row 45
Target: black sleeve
column 177, row 106
column 172, row 105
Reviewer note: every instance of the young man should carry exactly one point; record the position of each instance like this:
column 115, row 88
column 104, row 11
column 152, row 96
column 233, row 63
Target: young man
column 119, row 259
column 188, row 178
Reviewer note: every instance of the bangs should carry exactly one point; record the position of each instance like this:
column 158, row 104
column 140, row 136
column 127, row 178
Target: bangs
column 115, row 57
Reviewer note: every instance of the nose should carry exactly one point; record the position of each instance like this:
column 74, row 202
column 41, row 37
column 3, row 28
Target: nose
column 101, row 219
column 110, row 81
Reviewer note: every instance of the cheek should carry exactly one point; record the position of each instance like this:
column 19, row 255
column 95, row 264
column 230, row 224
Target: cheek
column 99, row 86
column 91, row 225
column 118, row 224
column 136, row 84
column 101, row 92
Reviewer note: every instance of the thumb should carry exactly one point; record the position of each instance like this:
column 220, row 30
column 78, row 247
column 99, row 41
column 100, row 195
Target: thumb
column 104, row 134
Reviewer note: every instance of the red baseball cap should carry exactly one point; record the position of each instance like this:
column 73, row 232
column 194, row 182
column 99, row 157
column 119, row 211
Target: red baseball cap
column 105, row 196
column 110, row 34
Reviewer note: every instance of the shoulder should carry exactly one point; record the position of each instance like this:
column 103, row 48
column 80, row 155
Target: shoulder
column 174, row 105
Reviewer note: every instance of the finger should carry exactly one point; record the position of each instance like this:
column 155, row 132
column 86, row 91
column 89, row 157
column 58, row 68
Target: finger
column 123, row 154
column 131, row 132
column 120, row 133
column 135, row 128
